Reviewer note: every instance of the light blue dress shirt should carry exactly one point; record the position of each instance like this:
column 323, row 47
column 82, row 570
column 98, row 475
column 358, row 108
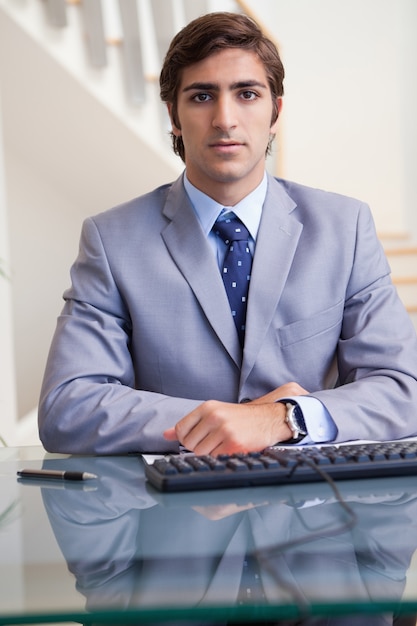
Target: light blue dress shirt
column 319, row 424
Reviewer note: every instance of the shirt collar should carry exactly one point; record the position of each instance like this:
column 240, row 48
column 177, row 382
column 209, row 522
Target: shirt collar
column 248, row 210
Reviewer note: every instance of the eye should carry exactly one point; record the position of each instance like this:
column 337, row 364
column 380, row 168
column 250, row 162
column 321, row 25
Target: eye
column 201, row 97
column 249, row 95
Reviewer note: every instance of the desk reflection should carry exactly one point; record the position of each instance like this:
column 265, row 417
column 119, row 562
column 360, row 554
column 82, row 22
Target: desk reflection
column 129, row 546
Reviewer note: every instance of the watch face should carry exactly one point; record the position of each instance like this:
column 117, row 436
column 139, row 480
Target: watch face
column 295, row 420
column 299, row 419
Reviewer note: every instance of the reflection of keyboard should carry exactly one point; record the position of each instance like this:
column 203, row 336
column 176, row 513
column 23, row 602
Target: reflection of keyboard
column 186, row 472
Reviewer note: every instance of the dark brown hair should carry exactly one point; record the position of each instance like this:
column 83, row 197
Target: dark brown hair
column 209, row 34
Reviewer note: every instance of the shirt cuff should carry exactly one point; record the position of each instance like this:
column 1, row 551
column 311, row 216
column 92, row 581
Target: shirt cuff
column 319, row 424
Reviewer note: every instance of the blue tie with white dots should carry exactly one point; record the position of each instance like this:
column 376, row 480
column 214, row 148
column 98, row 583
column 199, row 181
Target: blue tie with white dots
column 236, row 267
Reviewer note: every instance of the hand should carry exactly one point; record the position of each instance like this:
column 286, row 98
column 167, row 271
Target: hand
column 284, row 391
column 224, row 428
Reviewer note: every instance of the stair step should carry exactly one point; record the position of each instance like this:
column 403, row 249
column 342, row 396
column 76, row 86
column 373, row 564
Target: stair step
column 403, row 261
column 407, row 291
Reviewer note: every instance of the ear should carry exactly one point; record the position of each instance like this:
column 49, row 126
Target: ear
column 175, row 129
column 279, row 107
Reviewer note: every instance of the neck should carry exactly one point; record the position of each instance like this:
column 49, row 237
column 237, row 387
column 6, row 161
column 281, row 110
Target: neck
column 227, row 193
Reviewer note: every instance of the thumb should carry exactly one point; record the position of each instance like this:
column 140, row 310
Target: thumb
column 170, row 434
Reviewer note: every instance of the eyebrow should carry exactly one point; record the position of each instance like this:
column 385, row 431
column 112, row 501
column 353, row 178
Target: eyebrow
column 242, row 84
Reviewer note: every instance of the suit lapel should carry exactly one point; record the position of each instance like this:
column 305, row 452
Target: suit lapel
column 192, row 254
column 277, row 241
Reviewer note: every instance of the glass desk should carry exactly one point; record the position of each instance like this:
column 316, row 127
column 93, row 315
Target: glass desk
column 114, row 550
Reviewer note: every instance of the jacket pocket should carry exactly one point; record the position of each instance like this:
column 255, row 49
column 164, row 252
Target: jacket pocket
column 310, row 327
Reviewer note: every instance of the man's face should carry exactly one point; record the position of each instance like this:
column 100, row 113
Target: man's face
column 224, row 111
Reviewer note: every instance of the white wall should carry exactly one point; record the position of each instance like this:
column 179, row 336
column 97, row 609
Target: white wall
column 8, row 414
column 349, row 120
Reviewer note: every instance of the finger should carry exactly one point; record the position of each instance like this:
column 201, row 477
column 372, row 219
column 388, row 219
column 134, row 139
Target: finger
column 188, row 422
column 208, row 443
column 194, row 427
column 201, row 438
column 170, row 434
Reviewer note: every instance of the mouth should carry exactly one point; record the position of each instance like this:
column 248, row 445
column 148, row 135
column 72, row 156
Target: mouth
column 226, row 146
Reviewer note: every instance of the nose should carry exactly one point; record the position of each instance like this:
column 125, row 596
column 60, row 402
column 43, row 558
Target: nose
column 224, row 113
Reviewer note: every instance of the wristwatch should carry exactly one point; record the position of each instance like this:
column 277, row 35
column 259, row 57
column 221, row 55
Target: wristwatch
column 295, row 420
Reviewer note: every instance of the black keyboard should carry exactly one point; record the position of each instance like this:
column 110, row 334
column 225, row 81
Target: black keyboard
column 278, row 466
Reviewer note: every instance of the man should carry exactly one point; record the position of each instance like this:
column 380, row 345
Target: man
column 147, row 355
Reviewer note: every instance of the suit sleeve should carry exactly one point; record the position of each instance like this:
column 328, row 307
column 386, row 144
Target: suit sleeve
column 88, row 401
column 376, row 394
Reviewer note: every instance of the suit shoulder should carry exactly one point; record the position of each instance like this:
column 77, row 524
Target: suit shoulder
column 310, row 198
column 151, row 201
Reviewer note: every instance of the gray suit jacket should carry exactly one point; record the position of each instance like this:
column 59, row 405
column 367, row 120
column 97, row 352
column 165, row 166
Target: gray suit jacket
column 146, row 333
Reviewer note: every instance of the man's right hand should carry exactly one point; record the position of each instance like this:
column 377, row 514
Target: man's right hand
column 225, row 428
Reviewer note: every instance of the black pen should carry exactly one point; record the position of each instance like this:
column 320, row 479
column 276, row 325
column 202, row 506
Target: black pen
column 41, row 474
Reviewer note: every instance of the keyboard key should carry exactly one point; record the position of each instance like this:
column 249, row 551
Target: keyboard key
column 214, row 463
column 181, row 466
column 269, row 462
column 254, row 464
column 236, row 465
column 164, row 467
column 198, row 464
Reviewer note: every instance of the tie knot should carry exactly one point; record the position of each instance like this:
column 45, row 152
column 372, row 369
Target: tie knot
column 231, row 229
